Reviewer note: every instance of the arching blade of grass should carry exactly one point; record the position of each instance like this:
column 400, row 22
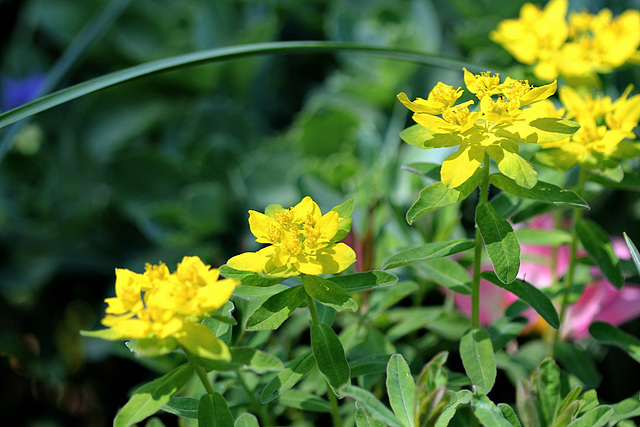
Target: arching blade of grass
column 220, row 54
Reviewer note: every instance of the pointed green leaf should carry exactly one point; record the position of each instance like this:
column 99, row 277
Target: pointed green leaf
column 539, row 130
column 401, row 390
column 456, row 398
column 246, row 359
column 542, row 192
column 577, row 362
column 304, row 401
column 288, row 377
column 509, row 414
column 330, row 356
column 363, row 419
column 428, row 251
column 369, row 365
column 372, row 405
column 599, row 246
column 249, row 278
column 546, row 379
column 566, row 405
column 501, row 242
column 478, row 359
column 421, row 137
column 487, row 412
column 182, row 406
column 607, row 333
column 328, row 293
column 246, row 420
column 275, row 310
column 344, row 224
column 529, row 294
column 213, row 411
column 628, row 408
column 364, row 281
column 448, row 273
column 635, row 255
column 514, row 166
column 438, row 195
column 149, row 398
column 596, row 417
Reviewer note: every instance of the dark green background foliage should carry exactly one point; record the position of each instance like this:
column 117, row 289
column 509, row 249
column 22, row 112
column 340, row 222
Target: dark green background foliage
column 168, row 166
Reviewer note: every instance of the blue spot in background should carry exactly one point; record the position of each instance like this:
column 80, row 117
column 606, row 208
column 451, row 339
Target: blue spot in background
column 16, row 91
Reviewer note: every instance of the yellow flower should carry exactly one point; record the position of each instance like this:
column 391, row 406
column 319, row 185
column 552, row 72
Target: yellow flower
column 301, row 241
column 159, row 305
column 495, row 129
column 584, row 45
column 605, row 130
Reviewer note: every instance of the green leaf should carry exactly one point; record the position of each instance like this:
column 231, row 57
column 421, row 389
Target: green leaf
column 628, row 408
column 429, row 251
column 256, row 294
column 330, row 356
column 246, row 420
column 542, row 192
column 578, row 363
column 363, row 419
column 401, row 390
column 275, row 310
column 501, row 242
column 533, row 209
column 328, row 293
column 369, row 365
column 364, row 281
column 304, row 401
column 504, row 330
column 181, row 406
column 546, row 379
column 372, row 405
column 567, row 409
column 213, row 411
column 607, row 333
column 344, row 225
column 448, row 273
column 427, row 170
column 539, row 130
column 599, row 246
column 200, row 341
column 456, row 398
column 149, row 398
column 246, row 359
column 438, row 195
column 540, row 237
column 529, row 294
column 487, row 412
column 596, row 417
column 421, row 137
column 249, row 278
column 506, row 204
column 635, row 255
column 513, row 166
column 293, row 372
column 509, row 414
column 478, row 359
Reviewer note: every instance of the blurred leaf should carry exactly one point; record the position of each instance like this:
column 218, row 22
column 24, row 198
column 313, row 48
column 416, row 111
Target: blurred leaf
column 597, row 243
column 304, row 401
column 246, row 359
column 487, row 412
column 609, row 334
column 363, row 419
column 504, row 330
column 427, row 252
column 149, row 398
column 540, row 237
column 546, row 380
column 448, row 273
column 200, row 341
column 545, row 129
column 505, row 204
column 532, row 210
column 213, row 411
column 628, row 408
column 246, row 420
column 401, row 390
column 373, row 406
column 529, row 294
column 478, row 359
column 428, row 170
column 344, row 225
column 633, row 250
column 542, row 191
column 501, row 242
column 437, row 196
column 364, row 281
column 330, row 356
column 369, row 365
column 182, row 406
column 509, row 414
column 275, row 310
column 578, row 363
column 328, row 293
column 293, row 372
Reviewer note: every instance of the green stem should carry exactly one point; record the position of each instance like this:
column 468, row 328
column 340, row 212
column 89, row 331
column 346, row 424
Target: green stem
column 265, row 419
column 200, row 372
column 333, row 399
column 573, row 258
column 477, row 256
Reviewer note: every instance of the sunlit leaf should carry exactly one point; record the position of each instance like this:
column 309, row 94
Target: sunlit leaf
column 275, row 310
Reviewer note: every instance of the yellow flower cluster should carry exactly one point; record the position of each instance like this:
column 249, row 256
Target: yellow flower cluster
column 605, row 134
column 159, row 304
column 301, row 241
column 578, row 47
column 495, row 129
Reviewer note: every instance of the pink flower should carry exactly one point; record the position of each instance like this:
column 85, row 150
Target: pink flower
column 600, row 300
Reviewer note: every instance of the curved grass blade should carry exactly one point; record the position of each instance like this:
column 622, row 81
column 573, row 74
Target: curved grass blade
column 213, row 55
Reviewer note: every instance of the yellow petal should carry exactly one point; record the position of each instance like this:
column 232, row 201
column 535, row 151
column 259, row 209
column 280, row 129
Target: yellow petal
column 420, row 105
column 215, row 295
column 250, row 261
column 539, row 93
column 461, row 165
column 335, row 258
column 263, row 227
column 306, row 207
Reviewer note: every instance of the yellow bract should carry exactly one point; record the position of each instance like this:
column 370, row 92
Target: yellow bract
column 579, row 47
column 301, row 241
column 160, row 304
column 494, row 129
column 605, row 130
